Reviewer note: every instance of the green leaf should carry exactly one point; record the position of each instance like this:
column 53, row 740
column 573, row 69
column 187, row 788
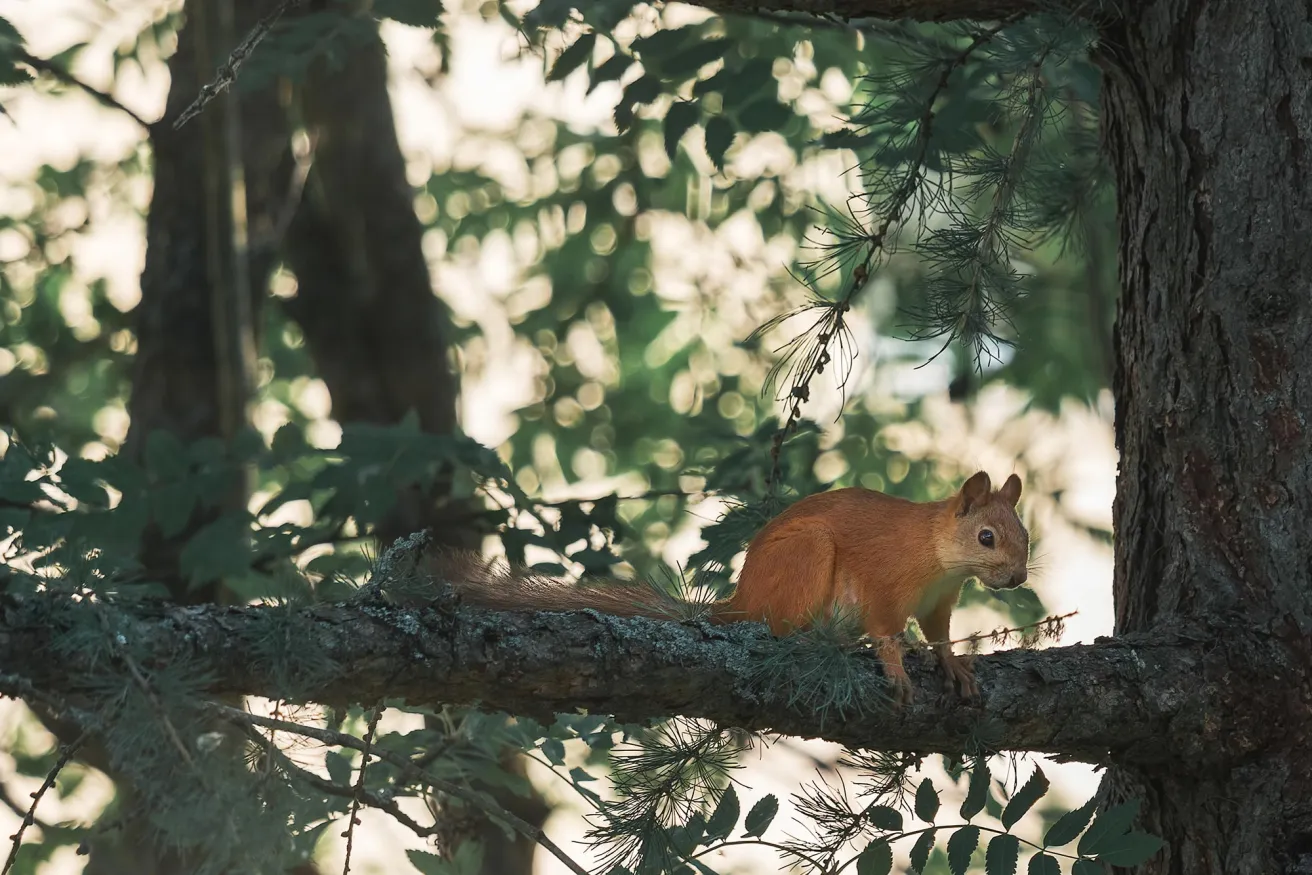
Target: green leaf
column 1069, row 826
column 1001, row 856
column 764, row 115
column 172, row 505
column 339, row 767
column 416, row 13
column 1025, row 797
column 920, row 850
column 573, row 57
column 927, row 801
column 1110, row 825
column 876, row 859
column 960, row 847
column 1044, row 864
column 554, row 751
column 13, row 75
column 885, row 818
column 611, row 70
column 719, row 136
column 220, row 549
column 978, row 793
column 693, row 58
column 1130, row 849
column 759, row 818
column 166, row 458
column 725, row 817
column 681, row 116
column 1087, row 867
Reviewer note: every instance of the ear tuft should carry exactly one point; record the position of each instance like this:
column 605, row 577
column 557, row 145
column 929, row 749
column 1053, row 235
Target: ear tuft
column 974, row 492
column 1010, row 491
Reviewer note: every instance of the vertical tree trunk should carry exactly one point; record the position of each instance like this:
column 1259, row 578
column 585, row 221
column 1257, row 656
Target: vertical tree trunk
column 1208, row 116
column 376, row 331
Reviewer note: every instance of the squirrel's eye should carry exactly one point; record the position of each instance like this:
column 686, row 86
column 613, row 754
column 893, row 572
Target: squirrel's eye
column 986, row 537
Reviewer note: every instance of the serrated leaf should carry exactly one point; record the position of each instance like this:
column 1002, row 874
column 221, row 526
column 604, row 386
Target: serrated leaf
column 876, row 859
column 693, row 58
column 554, row 751
column 920, row 850
column 719, row 136
column 573, row 57
column 13, row 75
column 416, row 13
column 960, row 847
column 725, row 817
column 681, row 116
column 1002, row 854
column 978, row 792
column 884, row 817
column 1044, row 864
column 1109, row 825
column 1130, row 849
column 1069, row 826
column 845, row 138
column 611, row 70
column 1032, row 791
column 927, row 801
column 759, row 818
column 764, row 115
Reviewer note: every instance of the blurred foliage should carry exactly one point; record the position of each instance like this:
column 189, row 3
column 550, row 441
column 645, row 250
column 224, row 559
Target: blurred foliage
column 668, row 395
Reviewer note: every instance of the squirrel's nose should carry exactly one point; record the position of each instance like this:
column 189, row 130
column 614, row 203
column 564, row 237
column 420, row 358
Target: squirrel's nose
column 1020, row 577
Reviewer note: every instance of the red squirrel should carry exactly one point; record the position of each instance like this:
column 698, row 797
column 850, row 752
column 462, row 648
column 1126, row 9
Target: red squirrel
column 889, row 558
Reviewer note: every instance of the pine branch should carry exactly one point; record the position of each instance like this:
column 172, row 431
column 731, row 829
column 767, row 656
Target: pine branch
column 1082, row 701
column 66, row 755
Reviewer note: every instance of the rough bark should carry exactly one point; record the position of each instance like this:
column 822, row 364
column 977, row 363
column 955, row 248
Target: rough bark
column 1136, row 700
column 364, row 294
column 376, row 331
column 1208, row 119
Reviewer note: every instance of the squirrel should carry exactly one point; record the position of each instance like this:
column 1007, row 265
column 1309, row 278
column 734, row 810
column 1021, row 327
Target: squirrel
column 887, row 557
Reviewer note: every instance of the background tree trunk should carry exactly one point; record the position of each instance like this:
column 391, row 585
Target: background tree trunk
column 1208, row 116
column 377, row 334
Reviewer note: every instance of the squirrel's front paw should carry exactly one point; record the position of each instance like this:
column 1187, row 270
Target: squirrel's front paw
column 959, row 673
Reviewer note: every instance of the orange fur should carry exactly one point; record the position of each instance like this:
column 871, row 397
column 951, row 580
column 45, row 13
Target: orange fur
column 889, row 558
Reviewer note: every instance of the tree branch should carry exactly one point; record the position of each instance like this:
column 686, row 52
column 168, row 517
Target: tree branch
column 41, row 65
column 1138, row 699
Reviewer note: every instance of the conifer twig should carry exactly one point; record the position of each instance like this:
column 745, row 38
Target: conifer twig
column 832, row 324
column 358, row 790
column 408, row 768
column 228, row 70
column 66, row 754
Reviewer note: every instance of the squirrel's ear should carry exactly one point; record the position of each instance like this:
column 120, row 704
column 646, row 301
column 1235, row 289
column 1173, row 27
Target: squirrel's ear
column 1010, row 491
column 974, row 492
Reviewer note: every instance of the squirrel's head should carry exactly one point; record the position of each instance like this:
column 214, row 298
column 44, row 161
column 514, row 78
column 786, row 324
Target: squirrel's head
column 986, row 539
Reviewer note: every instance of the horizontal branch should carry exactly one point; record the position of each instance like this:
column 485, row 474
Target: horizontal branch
column 1135, row 701
column 891, row 10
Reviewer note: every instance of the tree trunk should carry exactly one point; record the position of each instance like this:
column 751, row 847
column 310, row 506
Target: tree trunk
column 1208, row 116
column 377, row 332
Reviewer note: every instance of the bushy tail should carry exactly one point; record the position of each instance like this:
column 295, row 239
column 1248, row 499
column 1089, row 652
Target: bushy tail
column 491, row 583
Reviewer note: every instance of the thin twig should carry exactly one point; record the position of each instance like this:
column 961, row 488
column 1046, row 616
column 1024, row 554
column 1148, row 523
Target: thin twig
column 359, row 785
column 227, row 72
column 408, row 768
column 330, row 788
column 105, row 98
column 65, row 755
